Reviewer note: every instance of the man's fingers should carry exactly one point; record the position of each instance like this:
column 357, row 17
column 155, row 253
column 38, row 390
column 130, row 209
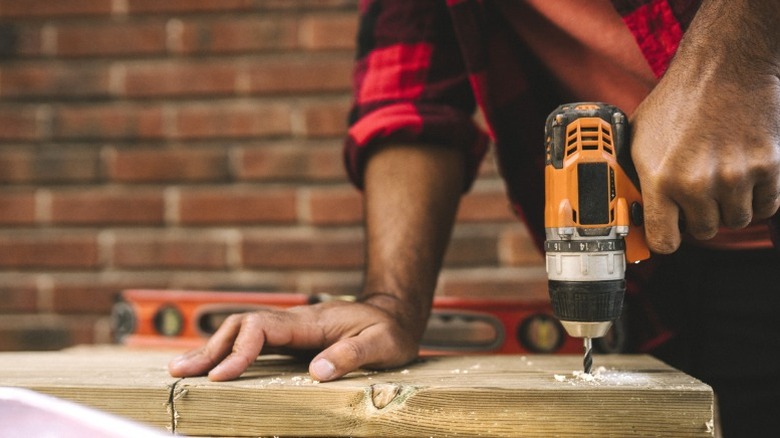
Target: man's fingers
column 340, row 358
column 766, row 200
column 246, row 347
column 745, row 194
column 259, row 330
column 736, row 204
column 661, row 218
column 702, row 218
column 369, row 348
column 198, row 361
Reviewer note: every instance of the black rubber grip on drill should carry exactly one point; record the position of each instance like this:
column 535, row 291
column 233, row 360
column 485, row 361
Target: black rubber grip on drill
column 587, row 301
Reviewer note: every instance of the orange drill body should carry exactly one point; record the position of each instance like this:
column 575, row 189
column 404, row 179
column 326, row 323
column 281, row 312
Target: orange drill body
column 593, row 215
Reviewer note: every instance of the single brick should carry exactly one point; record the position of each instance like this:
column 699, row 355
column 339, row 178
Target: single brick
column 18, row 298
column 84, row 298
column 103, row 38
column 238, row 34
column 496, row 283
column 326, row 251
column 19, row 123
column 17, row 208
column 326, row 118
column 177, row 78
column 155, row 251
column 48, row 8
column 15, row 165
column 66, row 165
column 253, row 281
column 49, row 165
column 49, row 250
column 291, row 162
column 232, row 120
column 340, row 206
column 321, row 31
column 301, row 74
column 236, row 206
column 20, row 40
column 101, row 121
column 166, row 165
column 490, row 205
column 96, row 293
column 54, row 81
column 106, row 206
column 477, row 249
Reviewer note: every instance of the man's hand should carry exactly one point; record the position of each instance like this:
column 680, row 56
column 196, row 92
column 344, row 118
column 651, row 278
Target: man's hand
column 411, row 196
column 349, row 336
column 706, row 140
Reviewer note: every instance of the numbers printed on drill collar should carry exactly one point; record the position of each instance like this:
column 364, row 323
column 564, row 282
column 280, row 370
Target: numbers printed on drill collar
column 585, row 245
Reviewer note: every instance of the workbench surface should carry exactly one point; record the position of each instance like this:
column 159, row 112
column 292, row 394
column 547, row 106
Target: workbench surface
column 497, row 395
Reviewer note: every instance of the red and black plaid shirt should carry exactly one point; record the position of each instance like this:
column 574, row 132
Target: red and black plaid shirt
column 423, row 66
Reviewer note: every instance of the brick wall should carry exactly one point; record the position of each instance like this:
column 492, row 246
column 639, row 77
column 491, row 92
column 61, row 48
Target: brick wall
column 193, row 144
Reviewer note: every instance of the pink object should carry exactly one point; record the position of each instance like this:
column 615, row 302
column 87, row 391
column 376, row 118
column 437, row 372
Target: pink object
column 28, row 414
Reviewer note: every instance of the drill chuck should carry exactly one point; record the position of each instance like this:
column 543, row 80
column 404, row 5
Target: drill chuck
column 587, row 300
column 586, row 282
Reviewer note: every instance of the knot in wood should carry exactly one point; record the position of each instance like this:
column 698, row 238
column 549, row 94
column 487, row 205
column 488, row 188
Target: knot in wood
column 383, row 393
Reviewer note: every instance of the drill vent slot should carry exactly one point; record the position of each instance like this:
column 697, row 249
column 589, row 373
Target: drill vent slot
column 590, row 138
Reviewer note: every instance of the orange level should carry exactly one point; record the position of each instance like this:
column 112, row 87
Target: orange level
column 177, row 318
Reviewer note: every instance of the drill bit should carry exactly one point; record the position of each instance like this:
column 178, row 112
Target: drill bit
column 587, row 357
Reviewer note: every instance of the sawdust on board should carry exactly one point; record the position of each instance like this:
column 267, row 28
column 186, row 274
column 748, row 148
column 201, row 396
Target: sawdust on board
column 465, row 370
column 294, row 380
column 601, row 375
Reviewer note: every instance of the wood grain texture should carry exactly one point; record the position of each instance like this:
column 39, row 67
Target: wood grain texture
column 441, row 396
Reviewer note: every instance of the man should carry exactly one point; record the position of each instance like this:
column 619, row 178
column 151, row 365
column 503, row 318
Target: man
column 702, row 85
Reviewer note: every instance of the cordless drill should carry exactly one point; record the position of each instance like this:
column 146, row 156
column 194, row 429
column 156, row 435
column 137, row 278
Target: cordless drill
column 592, row 217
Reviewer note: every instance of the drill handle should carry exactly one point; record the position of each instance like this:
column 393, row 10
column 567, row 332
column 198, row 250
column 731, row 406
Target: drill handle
column 636, row 245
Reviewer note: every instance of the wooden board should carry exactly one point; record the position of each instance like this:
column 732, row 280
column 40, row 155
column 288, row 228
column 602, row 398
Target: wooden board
column 134, row 385
column 443, row 396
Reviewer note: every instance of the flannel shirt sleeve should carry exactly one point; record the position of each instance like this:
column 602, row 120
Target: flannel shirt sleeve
column 657, row 26
column 410, row 85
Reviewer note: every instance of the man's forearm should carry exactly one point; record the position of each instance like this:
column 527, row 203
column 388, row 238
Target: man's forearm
column 410, row 200
column 735, row 33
